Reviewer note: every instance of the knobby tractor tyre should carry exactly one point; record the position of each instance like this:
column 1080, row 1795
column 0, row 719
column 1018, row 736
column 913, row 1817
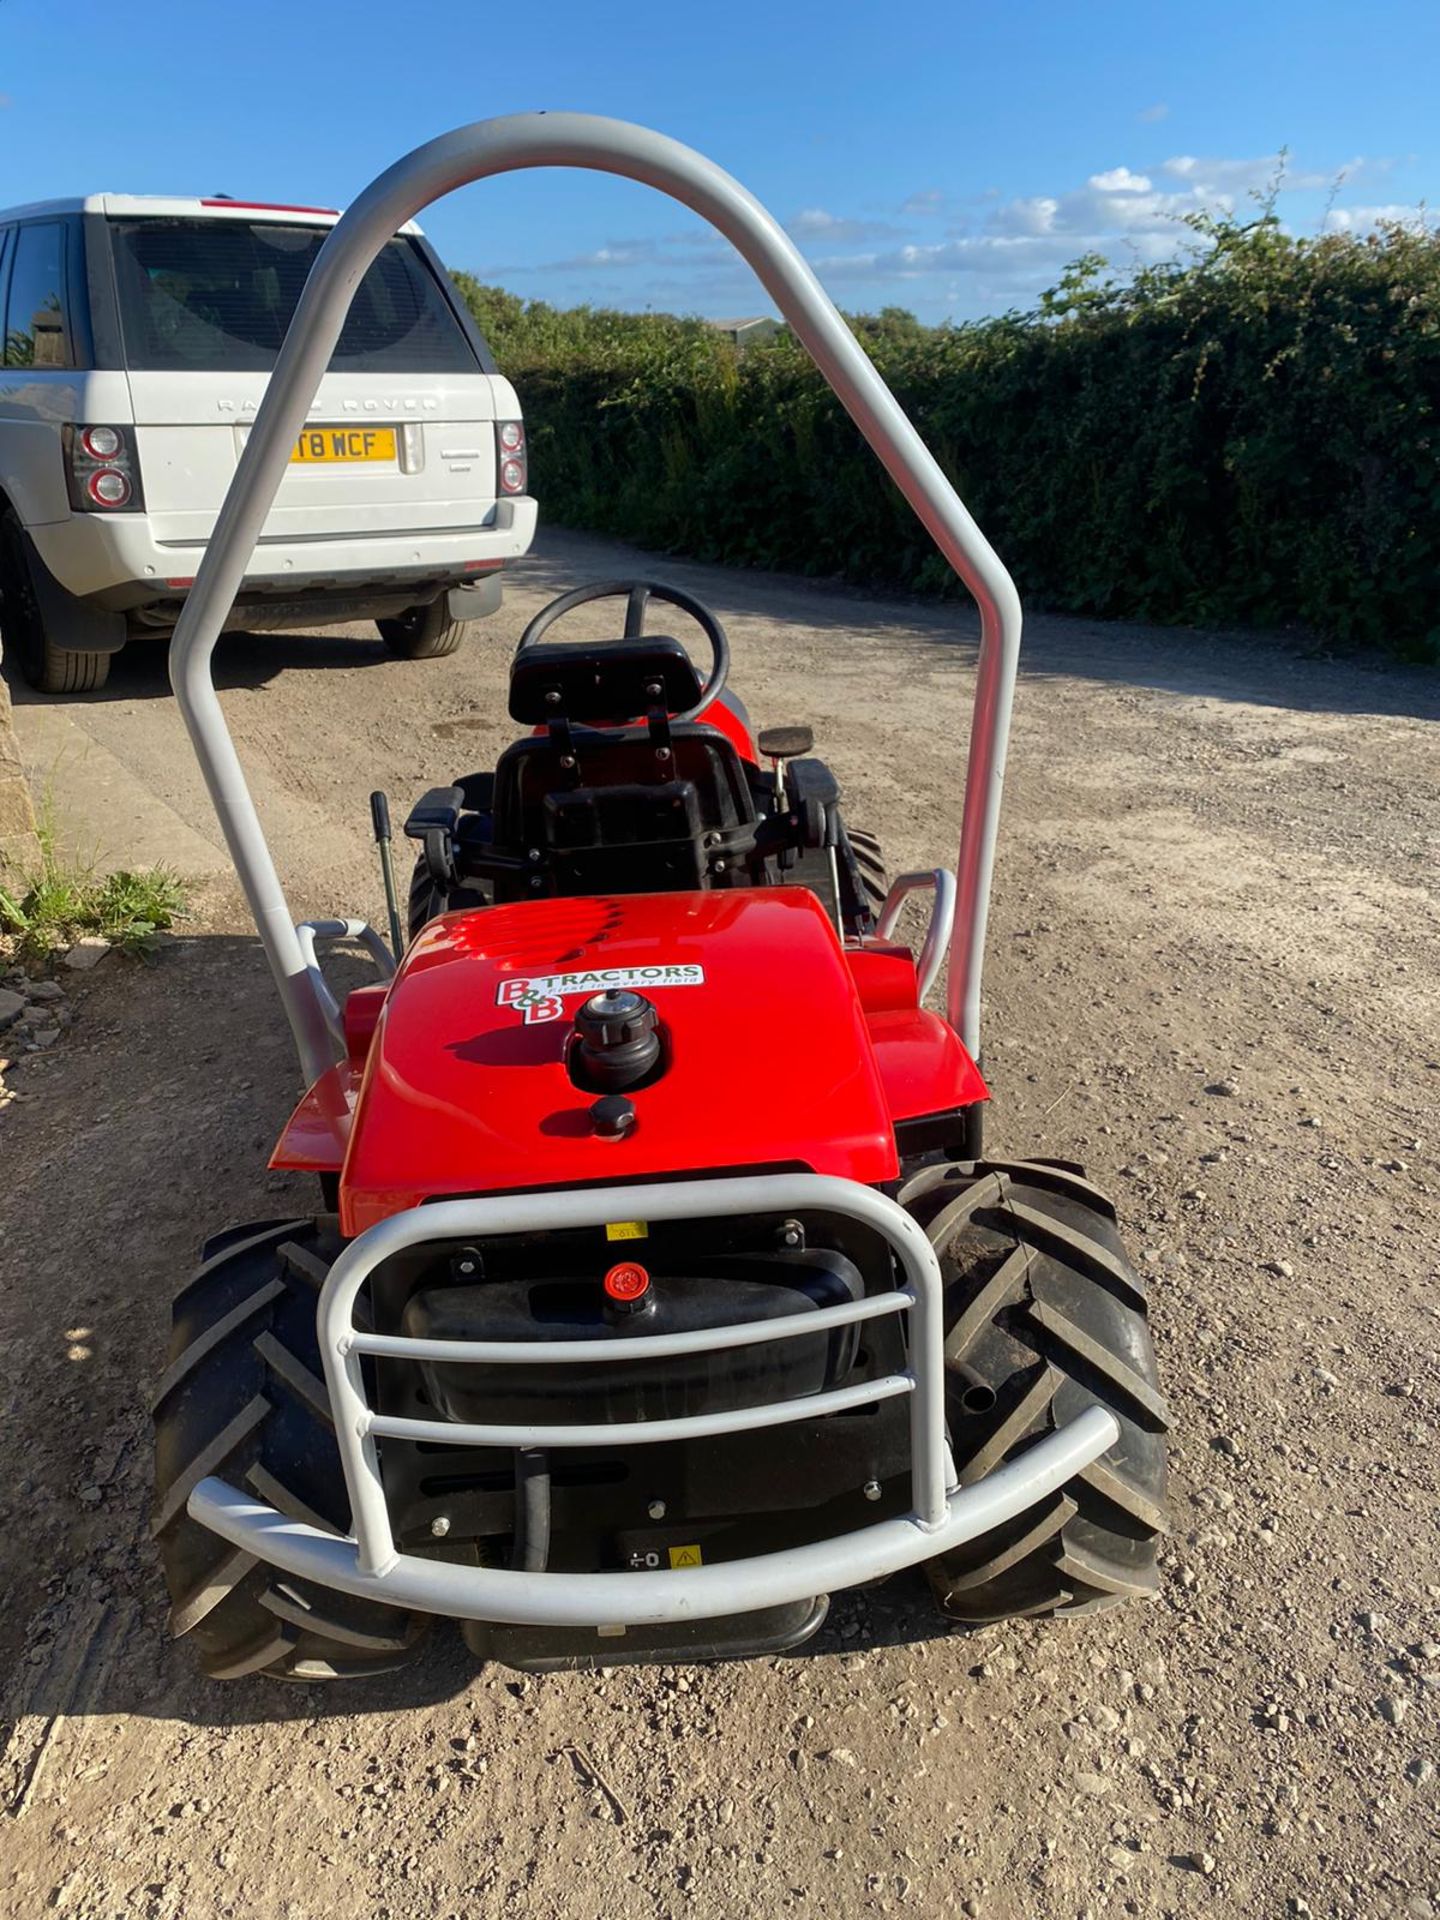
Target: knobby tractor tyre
column 860, row 867
column 243, row 1397
column 1044, row 1317
column 870, row 865
column 424, row 902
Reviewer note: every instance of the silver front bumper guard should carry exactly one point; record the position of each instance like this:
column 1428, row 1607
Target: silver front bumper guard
column 367, row 1563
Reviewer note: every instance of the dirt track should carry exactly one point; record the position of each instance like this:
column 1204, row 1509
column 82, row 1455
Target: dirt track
column 1217, row 868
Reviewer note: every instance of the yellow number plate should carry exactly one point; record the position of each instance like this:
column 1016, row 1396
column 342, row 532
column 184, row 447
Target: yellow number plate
column 317, row 445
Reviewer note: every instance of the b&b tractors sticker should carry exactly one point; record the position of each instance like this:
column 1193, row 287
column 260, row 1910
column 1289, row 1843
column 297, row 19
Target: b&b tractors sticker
column 543, row 996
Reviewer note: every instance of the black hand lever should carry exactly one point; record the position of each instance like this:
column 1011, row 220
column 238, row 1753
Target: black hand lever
column 380, row 821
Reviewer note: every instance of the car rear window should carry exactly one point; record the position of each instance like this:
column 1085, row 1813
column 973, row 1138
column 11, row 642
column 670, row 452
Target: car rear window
column 217, row 295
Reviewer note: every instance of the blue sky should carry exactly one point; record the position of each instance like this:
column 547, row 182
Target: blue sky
column 941, row 155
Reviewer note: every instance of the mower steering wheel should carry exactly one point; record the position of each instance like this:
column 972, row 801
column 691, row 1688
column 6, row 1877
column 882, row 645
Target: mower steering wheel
column 637, row 595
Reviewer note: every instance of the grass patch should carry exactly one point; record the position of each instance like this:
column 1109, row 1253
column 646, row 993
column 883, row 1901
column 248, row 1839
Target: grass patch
column 59, row 900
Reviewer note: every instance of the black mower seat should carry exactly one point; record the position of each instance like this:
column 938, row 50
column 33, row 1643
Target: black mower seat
column 604, row 683
column 607, row 824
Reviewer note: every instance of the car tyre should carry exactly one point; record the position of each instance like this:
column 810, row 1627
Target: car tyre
column 48, row 668
column 423, row 633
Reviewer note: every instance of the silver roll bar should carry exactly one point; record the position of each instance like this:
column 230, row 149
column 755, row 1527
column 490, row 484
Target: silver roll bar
column 607, row 146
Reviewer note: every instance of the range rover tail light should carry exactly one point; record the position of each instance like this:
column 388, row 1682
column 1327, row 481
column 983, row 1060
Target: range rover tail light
column 511, row 465
column 102, row 470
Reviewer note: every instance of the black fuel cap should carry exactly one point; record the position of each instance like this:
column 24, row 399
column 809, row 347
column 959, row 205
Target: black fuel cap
column 615, row 1018
column 616, row 1041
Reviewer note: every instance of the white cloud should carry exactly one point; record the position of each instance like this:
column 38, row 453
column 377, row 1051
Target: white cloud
column 991, row 253
column 1149, row 115
column 1213, row 178
column 616, row 253
column 1119, row 180
column 1037, row 214
column 1366, row 219
column 814, row 223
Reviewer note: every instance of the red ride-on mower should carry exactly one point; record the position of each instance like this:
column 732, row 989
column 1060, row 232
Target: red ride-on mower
column 661, row 1288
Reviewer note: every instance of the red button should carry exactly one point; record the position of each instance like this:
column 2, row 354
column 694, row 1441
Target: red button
column 628, row 1281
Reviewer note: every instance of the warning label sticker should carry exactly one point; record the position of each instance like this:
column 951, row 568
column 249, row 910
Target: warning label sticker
column 542, row 996
column 686, row 1557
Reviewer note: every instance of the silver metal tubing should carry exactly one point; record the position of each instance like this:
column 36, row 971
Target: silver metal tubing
column 606, row 146
column 362, row 934
column 639, row 1433
column 651, row 1346
column 357, row 1426
column 643, row 1599
column 941, row 882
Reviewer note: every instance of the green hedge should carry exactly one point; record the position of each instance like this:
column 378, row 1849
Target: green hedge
column 1246, row 436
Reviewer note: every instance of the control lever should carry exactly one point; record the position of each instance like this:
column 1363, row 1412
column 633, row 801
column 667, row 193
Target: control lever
column 380, row 821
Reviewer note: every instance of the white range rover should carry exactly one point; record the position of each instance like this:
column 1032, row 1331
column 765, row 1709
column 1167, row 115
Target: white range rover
column 139, row 335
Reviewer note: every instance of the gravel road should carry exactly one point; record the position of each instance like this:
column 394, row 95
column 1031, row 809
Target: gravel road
column 1212, row 977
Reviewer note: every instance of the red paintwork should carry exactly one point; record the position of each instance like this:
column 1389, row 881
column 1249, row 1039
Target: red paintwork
column 923, row 1065
column 770, row 1059
column 318, row 1132
column 727, row 716
column 363, row 1007
column 268, row 206
column 884, row 976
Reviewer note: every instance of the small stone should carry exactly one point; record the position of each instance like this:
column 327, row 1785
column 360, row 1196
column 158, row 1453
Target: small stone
column 12, row 1005
column 43, row 1037
column 839, row 1757
column 40, row 991
column 1227, row 1088
column 1095, row 1784
column 1309, row 1119
column 1202, row 1862
column 1420, row 1771
column 1394, row 1166
column 1391, row 1707
column 1281, row 1267
column 90, row 1496
column 87, row 953
column 1223, row 1443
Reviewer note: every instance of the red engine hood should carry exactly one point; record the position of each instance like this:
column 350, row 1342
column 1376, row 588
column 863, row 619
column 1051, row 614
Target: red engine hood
column 770, row 1059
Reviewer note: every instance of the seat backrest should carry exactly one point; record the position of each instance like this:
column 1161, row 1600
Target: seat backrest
column 609, row 824
column 602, row 684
